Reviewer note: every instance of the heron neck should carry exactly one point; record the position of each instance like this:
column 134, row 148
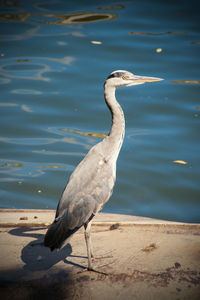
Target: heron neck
column 116, row 134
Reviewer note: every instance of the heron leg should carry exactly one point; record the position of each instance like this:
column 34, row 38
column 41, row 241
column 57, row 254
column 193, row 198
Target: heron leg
column 90, row 249
column 89, row 244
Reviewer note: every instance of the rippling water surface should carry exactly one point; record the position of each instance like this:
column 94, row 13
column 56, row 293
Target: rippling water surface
column 54, row 58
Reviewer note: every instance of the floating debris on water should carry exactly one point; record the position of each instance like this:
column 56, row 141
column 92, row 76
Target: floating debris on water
column 49, row 167
column 186, row 81
column 90, row 134
column 96, row 42
column 18, row 165
column 195, row 43
column 12, row 165
column 182, row 162
column 23, row 60
column 157, row 34
column 5, row 165
column 158, row 50
column 26, row 108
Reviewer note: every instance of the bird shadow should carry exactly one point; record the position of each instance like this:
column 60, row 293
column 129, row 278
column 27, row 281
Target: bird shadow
column 36, row 256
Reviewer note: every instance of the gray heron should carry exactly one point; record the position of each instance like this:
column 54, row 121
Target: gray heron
column 91, row 183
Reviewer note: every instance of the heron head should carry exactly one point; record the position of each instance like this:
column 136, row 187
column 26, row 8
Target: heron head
column 125, row 78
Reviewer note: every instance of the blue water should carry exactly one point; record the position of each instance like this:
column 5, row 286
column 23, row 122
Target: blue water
column 54, row 58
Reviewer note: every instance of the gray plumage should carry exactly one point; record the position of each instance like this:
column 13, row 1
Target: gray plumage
column 91, row 184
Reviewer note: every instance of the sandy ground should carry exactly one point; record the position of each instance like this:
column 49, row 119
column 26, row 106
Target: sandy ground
column 142, row 259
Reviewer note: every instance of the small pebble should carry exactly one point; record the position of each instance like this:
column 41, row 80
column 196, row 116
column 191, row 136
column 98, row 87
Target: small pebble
column 114, row 226
column 23, row 218
column 177, row 265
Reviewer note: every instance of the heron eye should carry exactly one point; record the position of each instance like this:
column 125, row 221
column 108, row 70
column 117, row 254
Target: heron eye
column 125, row 77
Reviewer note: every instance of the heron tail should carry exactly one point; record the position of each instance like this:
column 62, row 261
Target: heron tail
column 56, row 235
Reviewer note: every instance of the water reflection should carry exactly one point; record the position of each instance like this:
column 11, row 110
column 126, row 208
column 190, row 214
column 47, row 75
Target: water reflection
column 14, row 17
column 4, row 104
column 186, row 81
column 34, row 69
column 48, row 48
column 195, row 43
column 28, row 31
column 25, row 169
column 113, row 7
column 8, row 169
column 90, row 134
column 24, row 107
column 133, row 132
column 44, row 141
column 26, row 92
column 157, row 34
column 4, row 80
column 67, row 153
column 83, row 17
column 24, row 32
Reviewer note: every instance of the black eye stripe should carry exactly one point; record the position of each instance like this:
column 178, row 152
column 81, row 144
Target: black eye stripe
column 116, row 74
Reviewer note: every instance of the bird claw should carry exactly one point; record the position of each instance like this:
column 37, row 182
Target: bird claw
column 93, row 269
column 97, row 271
column 103, row 255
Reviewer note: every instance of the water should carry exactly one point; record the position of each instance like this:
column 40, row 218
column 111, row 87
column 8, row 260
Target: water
column 54, row 59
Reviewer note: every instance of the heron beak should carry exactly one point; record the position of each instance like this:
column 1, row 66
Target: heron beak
column 144, row 79
column 135, row 80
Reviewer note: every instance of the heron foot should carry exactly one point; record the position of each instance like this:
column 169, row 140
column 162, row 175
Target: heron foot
column 103, row 255
column 91, row 269
column 96, row 271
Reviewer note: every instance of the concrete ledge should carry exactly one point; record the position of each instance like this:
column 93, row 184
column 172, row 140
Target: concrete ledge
column 147, row 259
column 37, row 217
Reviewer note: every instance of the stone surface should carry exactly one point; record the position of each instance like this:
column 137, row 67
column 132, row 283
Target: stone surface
column 143, row 259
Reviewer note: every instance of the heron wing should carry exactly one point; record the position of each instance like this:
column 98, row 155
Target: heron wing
column 89, row 187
